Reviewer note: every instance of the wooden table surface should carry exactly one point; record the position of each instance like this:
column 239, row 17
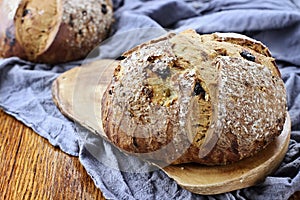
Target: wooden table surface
column 31, row 168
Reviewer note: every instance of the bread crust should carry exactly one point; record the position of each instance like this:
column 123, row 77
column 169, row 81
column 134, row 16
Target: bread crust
column 56, row 31
column 211, row 99
column 9, row 46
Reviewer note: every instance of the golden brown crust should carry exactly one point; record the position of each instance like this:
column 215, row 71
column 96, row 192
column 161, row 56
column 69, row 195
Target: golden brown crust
column 57, row 31
column 249, row 43
column 9, row 46
column 191, row 98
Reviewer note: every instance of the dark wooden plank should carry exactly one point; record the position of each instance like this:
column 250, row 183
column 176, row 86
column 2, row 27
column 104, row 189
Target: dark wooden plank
column 31, row 168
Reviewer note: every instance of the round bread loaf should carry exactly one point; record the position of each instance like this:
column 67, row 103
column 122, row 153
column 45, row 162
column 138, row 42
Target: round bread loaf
column 53, row 31
column 211, row 99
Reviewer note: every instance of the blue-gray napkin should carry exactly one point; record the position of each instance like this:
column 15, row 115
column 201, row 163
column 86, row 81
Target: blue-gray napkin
column 25, row 91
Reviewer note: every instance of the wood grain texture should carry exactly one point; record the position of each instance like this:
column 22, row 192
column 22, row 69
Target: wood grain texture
column 31, row 168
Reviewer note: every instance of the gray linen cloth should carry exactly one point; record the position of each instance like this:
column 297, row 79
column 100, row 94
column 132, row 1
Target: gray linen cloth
column 25, row 91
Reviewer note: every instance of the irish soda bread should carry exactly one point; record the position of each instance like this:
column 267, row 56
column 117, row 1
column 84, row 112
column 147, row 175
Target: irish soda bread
column 211, row 99
column 53, row 31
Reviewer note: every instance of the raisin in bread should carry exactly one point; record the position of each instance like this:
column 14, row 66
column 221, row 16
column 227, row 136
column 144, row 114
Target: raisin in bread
column 211, row 99
column 53, row 31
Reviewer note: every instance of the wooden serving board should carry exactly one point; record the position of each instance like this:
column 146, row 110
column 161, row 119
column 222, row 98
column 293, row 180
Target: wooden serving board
column 78, row 93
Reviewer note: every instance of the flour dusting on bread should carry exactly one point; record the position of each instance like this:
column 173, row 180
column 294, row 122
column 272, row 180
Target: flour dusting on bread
column 211, row 99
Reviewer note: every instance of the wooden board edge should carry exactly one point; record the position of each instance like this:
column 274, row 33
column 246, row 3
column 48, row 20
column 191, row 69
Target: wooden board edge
column 57, row 96
column 240, row 183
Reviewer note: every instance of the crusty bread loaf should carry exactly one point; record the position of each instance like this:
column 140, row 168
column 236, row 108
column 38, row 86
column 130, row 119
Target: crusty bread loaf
column 53, row 31
column 211, row 99
column 9, row 46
